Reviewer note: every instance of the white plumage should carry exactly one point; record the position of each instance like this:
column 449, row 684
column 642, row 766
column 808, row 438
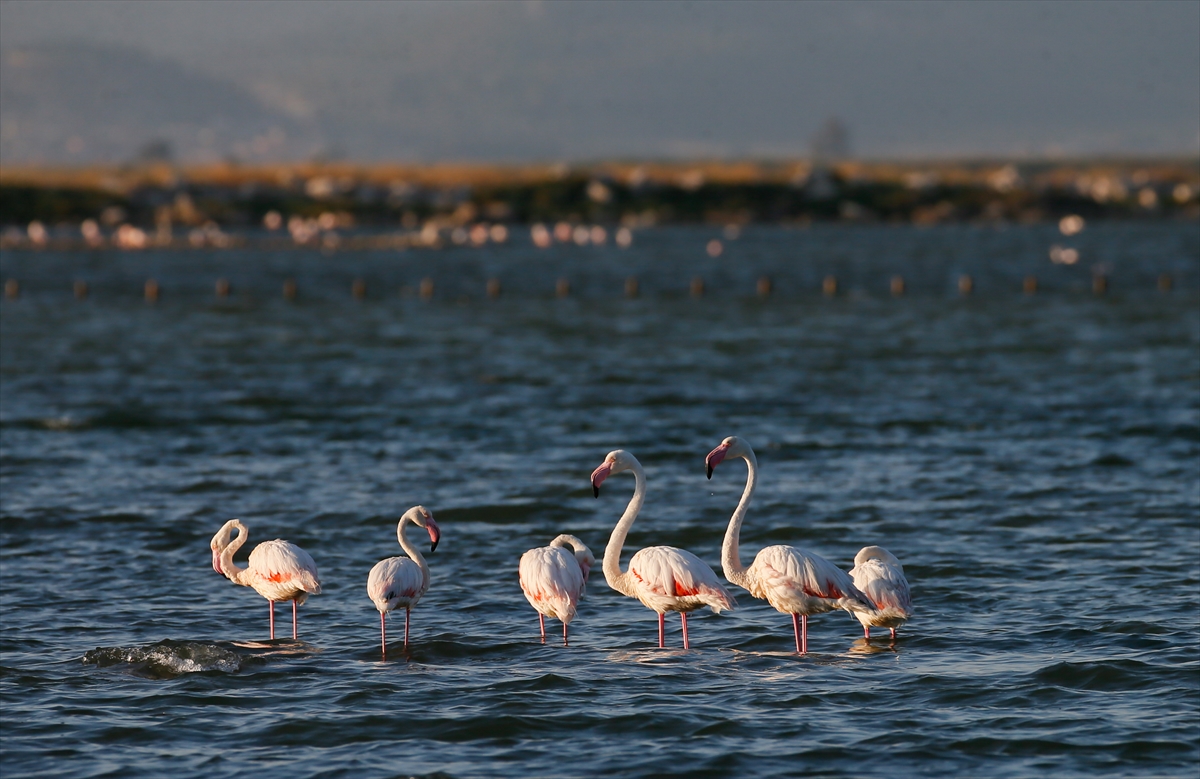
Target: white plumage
column 399, row 582
column 880, row 576
column 663, row 578
column 277, row 570
column 554, row 579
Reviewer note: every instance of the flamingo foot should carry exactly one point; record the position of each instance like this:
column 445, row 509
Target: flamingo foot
column 662, row 629
column 683, row 620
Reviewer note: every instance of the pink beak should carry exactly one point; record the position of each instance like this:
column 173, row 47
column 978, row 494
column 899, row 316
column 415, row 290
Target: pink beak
column 599, row 475
column 217, row 562
column 715, row 457
column 435, row 533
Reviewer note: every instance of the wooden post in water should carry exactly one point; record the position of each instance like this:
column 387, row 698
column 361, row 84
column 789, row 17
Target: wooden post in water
column 829, row 286
column 358, row 289
column 1029, row 285
column 289, row 289
column 12, row 289
column 151, row 291
column 696, row 288
column 763, row 286
column 493, row 288
column 426, row 289
column 562, row 288
column 81, row 289
column 897, row 286
column 631, row 287
column 1164, row 282
column 966, row 285
column 1099, row 284
column 223, row 288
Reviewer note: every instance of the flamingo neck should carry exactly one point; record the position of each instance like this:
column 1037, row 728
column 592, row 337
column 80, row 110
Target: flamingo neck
column 583, row 555
column 412, row 552
column 616, row 578
column 731, row 560
column 233, row 572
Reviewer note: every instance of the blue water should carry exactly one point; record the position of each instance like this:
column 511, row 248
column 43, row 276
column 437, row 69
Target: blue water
column 1034, row 461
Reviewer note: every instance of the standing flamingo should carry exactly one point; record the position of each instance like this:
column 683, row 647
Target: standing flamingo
column 401, row 581
column 663, row 578
column 553, row 579
column 792, row 580
column 880, row 576
column 277, row 570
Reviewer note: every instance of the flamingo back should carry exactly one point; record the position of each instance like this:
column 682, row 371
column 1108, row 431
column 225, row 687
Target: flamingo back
column 670, row 579
column 552, row 580
column 281, row 570
column 797, row 582
column 395, row 583
column 885, row 585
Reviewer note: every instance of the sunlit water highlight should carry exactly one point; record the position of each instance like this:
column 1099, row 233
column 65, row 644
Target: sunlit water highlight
column 1032, row 461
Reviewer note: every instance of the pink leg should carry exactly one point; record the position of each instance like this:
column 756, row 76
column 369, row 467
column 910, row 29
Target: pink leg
column 383, row 631
column 804, row 634
column 565, row 634
column 796, row 630
column 407, row 614
column 662, row 626
column 893, row 633
column 542, row 625
column 867, row 632
column 294, row 626
column 683, row 620
column 272, row 619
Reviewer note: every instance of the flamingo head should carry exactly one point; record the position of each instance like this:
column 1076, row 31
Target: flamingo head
column 219, row 542
column 731, row 446
column 423, row 517
column 617, row 460
column 586, row 560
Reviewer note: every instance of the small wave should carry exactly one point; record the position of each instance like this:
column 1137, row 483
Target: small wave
column 166, row 659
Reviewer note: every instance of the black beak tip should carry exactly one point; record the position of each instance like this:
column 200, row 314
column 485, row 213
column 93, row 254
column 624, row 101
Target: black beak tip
column 433, row 546
column 708, row 468
column 595, row 491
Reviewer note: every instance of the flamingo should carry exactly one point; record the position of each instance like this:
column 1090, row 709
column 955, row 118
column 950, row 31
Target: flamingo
column 401, row 581
column 663, row 578
column 792, row 580
column 277, row 570
column 880, row 576
column 553, row 579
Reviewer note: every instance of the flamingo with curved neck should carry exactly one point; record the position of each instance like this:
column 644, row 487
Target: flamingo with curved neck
column 401, row 581
column 554, row 579
column 663, row 578
column 880, row 576
column 277, row 570
column 792, row 580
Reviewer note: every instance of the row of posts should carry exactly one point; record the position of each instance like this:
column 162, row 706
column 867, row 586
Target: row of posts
column 562, row 288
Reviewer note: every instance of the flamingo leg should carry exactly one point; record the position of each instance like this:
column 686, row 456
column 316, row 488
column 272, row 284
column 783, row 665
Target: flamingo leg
column 662, row 627
column 542, row 625
column 893, row 632
column 867, row 632
column 804, row 634
column 272, row 605
column 683, row 620
column 383, row 631
column 796, row 629
column 294, row 625
column 565, row 634
column 407, row 614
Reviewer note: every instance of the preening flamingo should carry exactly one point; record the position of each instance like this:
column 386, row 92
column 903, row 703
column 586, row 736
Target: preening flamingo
column 792, row 580
column 663, row 578
column 553, row 579
column 277, row 570
column 401, row 581
column 880, row 576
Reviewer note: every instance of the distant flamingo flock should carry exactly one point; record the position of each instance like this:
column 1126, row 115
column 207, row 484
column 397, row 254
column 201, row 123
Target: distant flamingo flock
column 793, row 580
